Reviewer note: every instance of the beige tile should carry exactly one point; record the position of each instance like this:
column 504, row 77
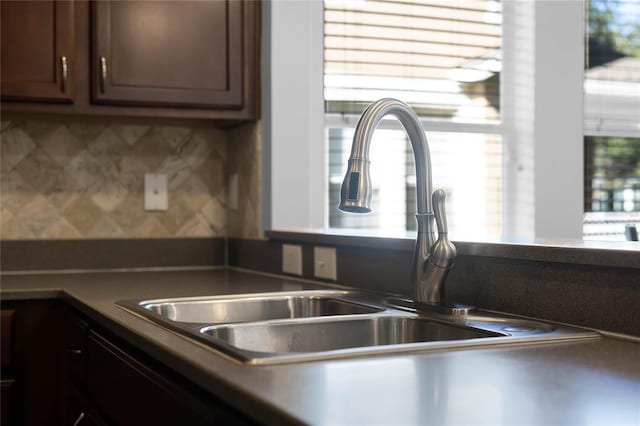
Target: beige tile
column 193, row 193
column 131, row 174
column 150, row 151
column 84, row 131
column 212, row 174
column 86, row 169
column 150, row 228
column 65, row 191
column 61, row 145
column 130, row 213
column 176, row 216
column 130, row 133
column 171, row 136
column 59, row 229
column 104, row 227
column 177, row 171
column 40, row 170
column 37, row 215
column 195, row 150
column 107, row 194
column 196, row 227
column 15, row 146
column 15, row 191
column 5, row 216
column 83, row 168
column 108, row 146
column 217, row 140
column 82, row 214
column 215, row 213
column 39, row 129
column 14, row 229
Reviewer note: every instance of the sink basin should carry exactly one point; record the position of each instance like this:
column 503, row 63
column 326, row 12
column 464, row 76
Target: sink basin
column 329, row 335
column 311, row 325
column 255, row 307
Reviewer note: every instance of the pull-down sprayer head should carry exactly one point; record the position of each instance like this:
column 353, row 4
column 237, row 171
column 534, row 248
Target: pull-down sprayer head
column 355, row 195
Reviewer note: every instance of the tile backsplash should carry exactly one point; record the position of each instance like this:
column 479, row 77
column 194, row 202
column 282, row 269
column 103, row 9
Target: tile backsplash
column 74, row 177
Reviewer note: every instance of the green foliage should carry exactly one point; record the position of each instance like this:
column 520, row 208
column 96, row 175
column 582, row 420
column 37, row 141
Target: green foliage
column 608, row 29
column 616, row 157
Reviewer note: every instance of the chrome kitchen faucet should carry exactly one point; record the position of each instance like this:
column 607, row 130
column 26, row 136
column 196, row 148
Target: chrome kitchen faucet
column 432, row 259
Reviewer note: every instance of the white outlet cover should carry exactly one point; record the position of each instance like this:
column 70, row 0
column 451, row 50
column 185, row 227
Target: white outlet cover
column 324, row 263
column 156, row 197
column 292, row 259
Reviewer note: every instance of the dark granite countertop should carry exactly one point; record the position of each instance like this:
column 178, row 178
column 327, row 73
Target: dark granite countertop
column 591, row 382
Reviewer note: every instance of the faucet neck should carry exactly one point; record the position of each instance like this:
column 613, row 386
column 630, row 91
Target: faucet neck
column 410, row 121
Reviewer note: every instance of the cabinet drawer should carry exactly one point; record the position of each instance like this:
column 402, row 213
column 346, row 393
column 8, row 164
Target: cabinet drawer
column 125, row 391
column 6, row 321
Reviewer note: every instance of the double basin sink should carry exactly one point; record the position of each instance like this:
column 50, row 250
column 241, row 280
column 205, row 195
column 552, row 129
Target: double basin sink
column 271, row 328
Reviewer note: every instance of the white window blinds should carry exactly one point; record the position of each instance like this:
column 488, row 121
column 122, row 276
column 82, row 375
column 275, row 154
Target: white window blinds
column 441, row 56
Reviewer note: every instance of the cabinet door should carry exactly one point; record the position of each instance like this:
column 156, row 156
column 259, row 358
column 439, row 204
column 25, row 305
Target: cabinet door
column 158, row 53
column 37, row 50
column 127, row 392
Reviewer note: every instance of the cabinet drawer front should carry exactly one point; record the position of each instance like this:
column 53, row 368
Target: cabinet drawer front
column 6, row 321
column 126, row 392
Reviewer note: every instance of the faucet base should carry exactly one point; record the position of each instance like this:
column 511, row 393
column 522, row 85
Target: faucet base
column 455, row 309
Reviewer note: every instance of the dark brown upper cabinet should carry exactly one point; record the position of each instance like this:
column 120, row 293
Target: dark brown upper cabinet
column 38, row 50
column 178, row 53
column 178, row 59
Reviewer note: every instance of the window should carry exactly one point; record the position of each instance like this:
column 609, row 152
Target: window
column 442, row 57
column 612, row 119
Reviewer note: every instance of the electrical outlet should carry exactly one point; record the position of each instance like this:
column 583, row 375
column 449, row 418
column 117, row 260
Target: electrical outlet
column 155, row 192
column 324, row 263
column 292, row 259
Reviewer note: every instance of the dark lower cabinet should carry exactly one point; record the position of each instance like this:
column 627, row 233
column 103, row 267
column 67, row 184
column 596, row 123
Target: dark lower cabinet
column 59, row 369
column 128, row 392
column 32, row 376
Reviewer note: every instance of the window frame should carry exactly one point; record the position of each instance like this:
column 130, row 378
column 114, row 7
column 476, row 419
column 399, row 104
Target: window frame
column 533, row 100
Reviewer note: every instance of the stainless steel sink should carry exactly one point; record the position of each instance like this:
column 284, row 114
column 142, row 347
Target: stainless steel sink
column 331, row 335
column 272, row 328
column 253, row 307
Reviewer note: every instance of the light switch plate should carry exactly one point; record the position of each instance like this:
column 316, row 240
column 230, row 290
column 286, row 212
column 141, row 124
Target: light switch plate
column 156, row 197
column 324, row 263
column 292, row 259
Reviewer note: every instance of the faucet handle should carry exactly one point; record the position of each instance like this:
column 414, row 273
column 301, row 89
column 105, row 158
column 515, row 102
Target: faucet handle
column 443, row 252
column 438, row 198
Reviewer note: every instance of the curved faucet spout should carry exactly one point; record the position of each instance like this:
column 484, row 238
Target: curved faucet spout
column 356, row 191
column 356, row 188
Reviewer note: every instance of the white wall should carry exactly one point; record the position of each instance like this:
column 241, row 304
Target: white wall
column 294, row 107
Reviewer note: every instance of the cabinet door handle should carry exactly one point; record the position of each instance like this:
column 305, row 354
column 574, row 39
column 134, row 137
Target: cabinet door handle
column 65, row 73
column 79, row 419
column 74, row 351
column 103, row 73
